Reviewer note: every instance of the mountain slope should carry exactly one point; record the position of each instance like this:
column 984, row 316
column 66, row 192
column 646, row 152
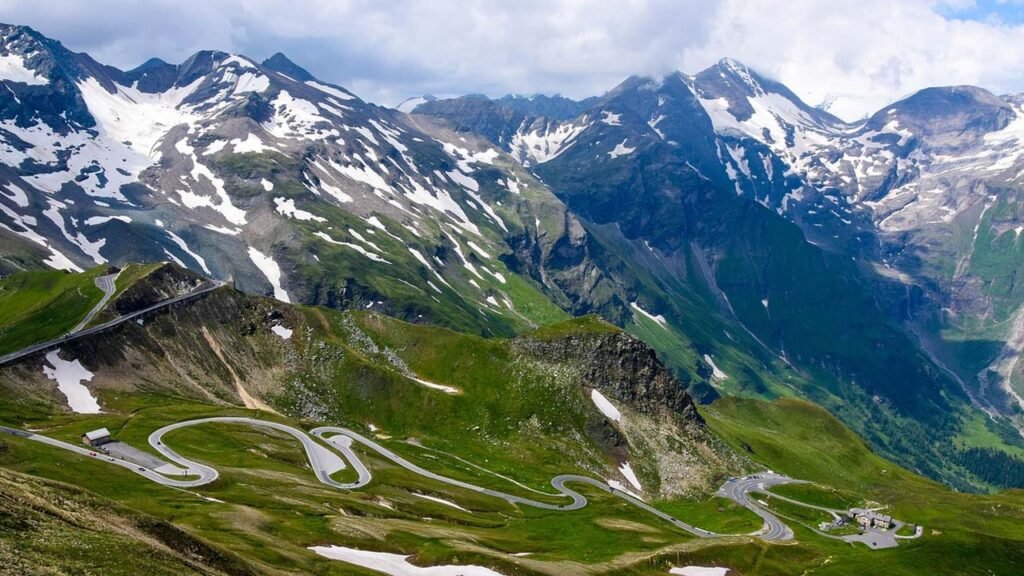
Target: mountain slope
column 713, row 169
column 226, row 348
column 687, row 211
column 261, row 174
column 523, row 412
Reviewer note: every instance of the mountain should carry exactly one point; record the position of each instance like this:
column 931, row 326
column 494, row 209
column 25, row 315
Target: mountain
column 923, row 191
column 259, row 173
column 689, row 210
column 506, row 415
column 778, row 205
column 382, row 339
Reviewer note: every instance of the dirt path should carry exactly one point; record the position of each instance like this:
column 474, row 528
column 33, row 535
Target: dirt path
column 247, row 399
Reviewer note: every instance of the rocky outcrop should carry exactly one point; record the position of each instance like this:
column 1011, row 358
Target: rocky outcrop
column 622, row 368
column 167, row 281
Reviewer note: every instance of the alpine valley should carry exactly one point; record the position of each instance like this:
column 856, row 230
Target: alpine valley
column 253, row 324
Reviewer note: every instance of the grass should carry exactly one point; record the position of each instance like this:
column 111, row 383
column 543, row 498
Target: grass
column 804, row 441
column 254, row 464
column 517, row 415
column 41, row 305
column 58, row 528
column 715, row 514
column 818, row 495
column 271, row 527
column 590, row 324
column 794, row 512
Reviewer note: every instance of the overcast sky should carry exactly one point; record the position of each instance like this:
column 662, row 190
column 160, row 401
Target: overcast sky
column 866, row 53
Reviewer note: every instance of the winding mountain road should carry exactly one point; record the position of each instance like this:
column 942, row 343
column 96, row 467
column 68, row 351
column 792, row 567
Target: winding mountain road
column 204, row 288
column 739, row 489
column 325, row 463
column 107, row 283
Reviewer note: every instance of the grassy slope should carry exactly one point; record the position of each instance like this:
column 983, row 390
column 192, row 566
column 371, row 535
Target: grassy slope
column 43, row 304
column 48, row 528
column 36, row 306
column 270, row 527
column 969, row 533
column 509, row 430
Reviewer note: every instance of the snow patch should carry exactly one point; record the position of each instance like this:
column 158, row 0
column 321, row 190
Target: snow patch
column 271, row 271
column 297, row 118
column 286, row 207
column 97, row 220
column 659, row 319
column 605, row 406
column 441, row 387
column 544, row 145
column 372, row 256
column 69, row 377
column 284, row 333
column 611, row 118
column 330, row 90
column 184, row 247
column 252, row 143
column 621, row 150
column 230, row 212
column 699, row 571
column 396, row 564
column 716, row 373
column 12, row 67
column 439, row 501
column 628, row 473
column 463, row 180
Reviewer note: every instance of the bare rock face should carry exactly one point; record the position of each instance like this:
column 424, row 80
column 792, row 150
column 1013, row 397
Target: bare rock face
column 167, row 281
column 623, row 368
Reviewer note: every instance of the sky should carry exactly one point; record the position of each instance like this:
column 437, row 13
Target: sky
column 860, row 54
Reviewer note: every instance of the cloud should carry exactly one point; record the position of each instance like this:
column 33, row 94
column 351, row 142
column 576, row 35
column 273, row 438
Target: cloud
column 864, row 52
column 867, row 53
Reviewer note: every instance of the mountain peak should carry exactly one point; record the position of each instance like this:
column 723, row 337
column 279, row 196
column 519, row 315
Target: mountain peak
column 152, row 63
column 732, row 72
column 948, row 109
column 732, row 64
column 281, row 63
column 13, row 32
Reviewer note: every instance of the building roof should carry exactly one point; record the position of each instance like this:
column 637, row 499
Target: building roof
column 95, row 434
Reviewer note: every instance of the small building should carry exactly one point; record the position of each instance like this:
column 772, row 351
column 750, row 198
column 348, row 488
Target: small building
column 872, row 519
column 96, row 438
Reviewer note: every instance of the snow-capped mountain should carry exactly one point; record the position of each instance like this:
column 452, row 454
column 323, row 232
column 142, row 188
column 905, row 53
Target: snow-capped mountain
column 910, row 213
column 935, row 178
column 258, row 172
column 715, row 214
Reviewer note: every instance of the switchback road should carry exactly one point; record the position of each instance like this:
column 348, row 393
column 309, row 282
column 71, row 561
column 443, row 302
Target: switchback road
column 325, row 463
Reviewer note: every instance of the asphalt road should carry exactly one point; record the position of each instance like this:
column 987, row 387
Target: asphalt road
column 324, row 463
column 208, row 286
column 738, row 490
column 558, row 482
column 107, row 284
column 90, row 453
column 321, row 460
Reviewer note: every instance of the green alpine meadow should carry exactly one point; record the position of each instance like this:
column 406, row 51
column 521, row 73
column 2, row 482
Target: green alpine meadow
column 499, row 289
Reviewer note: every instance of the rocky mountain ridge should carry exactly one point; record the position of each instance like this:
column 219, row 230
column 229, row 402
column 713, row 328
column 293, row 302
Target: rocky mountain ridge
column 683, row 208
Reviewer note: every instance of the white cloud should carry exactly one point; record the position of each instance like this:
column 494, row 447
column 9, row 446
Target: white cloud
column 867, row 52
